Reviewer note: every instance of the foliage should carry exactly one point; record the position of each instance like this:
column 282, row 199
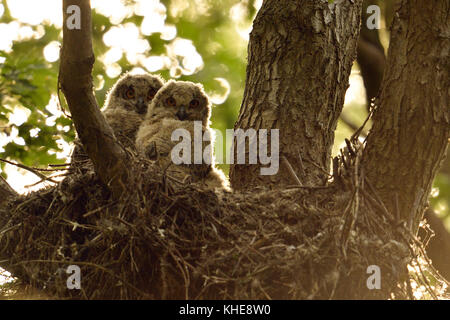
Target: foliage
column 28, row 80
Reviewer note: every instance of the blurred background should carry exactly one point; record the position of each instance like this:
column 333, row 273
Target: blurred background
column 197, row 40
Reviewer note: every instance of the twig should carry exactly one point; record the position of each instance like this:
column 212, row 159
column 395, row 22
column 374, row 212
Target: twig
column 319, row 167
column 32, row 170
column 89, row 264
column 358, row 132
column 302, row 167
column 306, row 187
column 377, row 197
column 42, row 180
column 350, row 147
column 291, row 170
column 88, row 214
column 343, row 160
column 60, row 165
column 397, row 209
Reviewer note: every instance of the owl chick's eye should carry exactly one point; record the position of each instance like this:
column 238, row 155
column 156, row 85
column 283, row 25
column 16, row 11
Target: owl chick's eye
column 171, row 102
column 129, row 94
column 194, row 103
column 151, row 94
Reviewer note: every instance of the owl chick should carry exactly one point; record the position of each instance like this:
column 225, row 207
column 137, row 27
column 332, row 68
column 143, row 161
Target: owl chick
column 180, row 105
column 125, row 108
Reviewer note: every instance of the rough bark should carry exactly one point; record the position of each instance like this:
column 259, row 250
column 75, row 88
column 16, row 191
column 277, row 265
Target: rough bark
column 411, row 126
column 77, row 59
column 299, row 59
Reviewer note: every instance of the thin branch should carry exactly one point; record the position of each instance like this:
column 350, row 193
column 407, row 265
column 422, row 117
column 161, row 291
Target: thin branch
column 33, row 170
column 291, row 170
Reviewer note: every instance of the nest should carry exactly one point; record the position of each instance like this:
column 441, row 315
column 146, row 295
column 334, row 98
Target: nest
column 165, row 239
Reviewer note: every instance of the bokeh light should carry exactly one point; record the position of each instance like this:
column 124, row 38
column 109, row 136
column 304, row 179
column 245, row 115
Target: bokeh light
column 51, row 51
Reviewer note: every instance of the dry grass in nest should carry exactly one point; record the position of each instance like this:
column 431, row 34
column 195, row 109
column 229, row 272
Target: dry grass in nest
column 168, row 240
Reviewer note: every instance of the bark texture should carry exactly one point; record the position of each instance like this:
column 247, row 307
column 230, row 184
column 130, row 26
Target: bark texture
column 299, row 59
column 77, row 59
column 411, row 126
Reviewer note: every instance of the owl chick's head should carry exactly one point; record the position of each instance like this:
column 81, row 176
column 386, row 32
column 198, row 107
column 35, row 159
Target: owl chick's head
column 134, row 92
column 181, row 100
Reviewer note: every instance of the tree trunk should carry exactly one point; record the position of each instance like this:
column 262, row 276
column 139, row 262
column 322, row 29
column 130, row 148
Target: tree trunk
column 299, row 59
column 411, row 125
column 371, row 61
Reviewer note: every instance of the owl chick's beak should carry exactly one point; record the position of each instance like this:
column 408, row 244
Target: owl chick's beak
column 141, row 106
column 182, row 114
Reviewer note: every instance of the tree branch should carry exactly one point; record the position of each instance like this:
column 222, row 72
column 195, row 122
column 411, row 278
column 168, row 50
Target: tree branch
column 411, row 126
column 77, row 59
column 300, row 57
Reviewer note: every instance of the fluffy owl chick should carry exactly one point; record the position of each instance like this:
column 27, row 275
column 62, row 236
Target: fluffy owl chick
column 125, row 107
column 178, row 105
column 127, row 104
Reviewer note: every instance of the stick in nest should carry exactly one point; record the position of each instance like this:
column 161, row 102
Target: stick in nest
column 291, row 170
column 32, row 170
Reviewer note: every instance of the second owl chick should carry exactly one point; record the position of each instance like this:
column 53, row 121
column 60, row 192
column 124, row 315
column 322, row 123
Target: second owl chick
column 177, row 105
